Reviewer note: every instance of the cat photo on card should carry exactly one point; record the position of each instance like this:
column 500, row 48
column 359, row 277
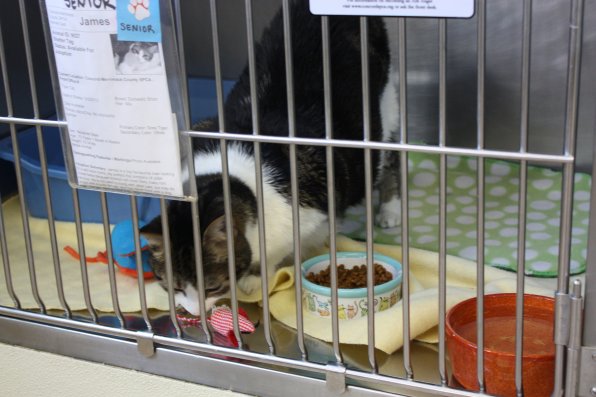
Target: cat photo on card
column 136, row 57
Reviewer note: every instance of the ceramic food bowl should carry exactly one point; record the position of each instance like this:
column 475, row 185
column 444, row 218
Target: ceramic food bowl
column 499, row 344
column 352, row 302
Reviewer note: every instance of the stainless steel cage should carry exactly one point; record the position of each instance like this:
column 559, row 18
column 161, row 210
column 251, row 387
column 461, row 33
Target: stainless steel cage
column 306, row 366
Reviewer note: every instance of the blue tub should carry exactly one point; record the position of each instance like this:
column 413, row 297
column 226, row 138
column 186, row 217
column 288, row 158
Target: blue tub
column 203, row 104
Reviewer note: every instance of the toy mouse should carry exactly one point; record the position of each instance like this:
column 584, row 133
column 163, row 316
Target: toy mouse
column 123, row 251
column 222, row 321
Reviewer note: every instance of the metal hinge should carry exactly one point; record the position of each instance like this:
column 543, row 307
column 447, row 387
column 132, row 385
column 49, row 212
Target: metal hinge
column 562, row 318
column 587, row 373
column 145, row 343
column 573, row 313
column 336, row 378
column 568, row 310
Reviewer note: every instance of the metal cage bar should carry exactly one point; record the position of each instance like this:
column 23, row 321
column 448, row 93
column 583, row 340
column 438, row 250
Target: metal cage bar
column 194, row 205
column 225, row 173
column 82, row 255
column 43, row 161
column 480, row 182
column 442, row 199
column 139, row 263
column 258, row 176
column 368, row 182
column 403, row 158
column 6, row 261
column 19, row 175
column 330, row 185
column 401, row 147
column 289, row 68
column 105, row 216
column 523, row 196
column 165, row 226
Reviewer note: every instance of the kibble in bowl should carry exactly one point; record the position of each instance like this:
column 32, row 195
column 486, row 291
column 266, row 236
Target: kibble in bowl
column 352, row 293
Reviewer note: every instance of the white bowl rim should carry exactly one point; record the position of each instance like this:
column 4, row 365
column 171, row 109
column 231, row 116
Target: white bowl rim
column 352, row 292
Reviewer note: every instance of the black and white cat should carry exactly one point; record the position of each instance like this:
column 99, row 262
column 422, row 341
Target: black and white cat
column 136, row 57
column 311, row 161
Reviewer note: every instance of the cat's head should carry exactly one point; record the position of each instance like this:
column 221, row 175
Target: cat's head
column 144, row 51
column 214, row 256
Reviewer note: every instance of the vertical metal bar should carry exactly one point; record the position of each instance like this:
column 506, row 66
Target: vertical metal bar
column 180, row 46
column 6, row 262
column 194, row 208
column 293, row 173
column 139, row 262
column 405, row 244
column 111, row 269
column 19, row 175
column 252, row 69
column 571, row 111
column 225, row 174
column 327, row 85
column 442, row 197
column 368, row 181
column 522, row 205
column 165, row 227
column 217, row 66
column 82, row 255
column 43, row 162
column 481, row 73
column 194, row 205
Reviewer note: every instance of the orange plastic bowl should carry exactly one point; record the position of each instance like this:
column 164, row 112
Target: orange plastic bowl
column 499, row 344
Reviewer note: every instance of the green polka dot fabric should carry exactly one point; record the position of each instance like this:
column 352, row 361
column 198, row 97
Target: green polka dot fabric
column 501, row 213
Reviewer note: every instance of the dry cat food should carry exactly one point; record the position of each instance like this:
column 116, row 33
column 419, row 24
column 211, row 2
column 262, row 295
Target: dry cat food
column 350, row 278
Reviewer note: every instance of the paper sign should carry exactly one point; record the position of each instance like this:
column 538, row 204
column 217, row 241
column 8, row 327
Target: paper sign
column 121, row 127
column 401, row 8
column 138, row 20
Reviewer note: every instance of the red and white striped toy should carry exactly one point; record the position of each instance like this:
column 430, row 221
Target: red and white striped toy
column 222, row 321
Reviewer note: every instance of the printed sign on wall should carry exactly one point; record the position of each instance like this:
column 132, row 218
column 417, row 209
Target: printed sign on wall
column 401, row 8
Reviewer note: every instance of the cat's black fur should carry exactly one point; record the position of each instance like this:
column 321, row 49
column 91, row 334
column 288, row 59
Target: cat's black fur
column 308, row 91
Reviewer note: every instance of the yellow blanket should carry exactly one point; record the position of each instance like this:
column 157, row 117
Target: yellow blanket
column 461, row 283
column 424, row 298
column 70, row 268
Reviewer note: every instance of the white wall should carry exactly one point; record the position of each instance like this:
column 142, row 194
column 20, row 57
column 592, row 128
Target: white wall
column 26, row 372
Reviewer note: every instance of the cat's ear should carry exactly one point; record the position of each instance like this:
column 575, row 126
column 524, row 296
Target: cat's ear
column 153, row 232
column 215, row 234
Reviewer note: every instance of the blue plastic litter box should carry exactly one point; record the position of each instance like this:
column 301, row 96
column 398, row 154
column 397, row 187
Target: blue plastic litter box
column 203, row 104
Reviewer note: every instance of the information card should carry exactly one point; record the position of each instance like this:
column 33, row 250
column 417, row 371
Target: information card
column 400, row 8
column 110, row 65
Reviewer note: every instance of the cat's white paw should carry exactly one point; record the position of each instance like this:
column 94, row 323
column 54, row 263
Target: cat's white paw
column 139, row 8
column 389, row 214
column 249, row 284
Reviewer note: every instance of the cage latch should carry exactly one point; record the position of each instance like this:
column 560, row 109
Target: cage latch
column 145, row 343
column 336, row 378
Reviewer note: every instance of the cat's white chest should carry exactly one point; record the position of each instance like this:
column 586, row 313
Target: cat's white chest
column 279, row 236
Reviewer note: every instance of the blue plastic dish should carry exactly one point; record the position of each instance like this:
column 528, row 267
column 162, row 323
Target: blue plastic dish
column 202, row 103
